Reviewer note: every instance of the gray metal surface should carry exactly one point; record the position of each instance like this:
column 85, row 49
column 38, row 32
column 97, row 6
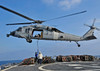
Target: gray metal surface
column 61, row 66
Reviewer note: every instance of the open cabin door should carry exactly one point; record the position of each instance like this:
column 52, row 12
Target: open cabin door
column 37, row 34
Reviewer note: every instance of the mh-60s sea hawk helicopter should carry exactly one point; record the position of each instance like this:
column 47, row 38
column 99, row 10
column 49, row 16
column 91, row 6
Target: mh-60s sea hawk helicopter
column 46, row 32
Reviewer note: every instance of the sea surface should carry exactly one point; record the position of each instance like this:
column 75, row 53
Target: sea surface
column 10, row 61
column 97, row 56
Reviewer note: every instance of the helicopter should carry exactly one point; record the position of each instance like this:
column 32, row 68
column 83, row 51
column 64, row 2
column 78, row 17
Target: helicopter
column 47, row 32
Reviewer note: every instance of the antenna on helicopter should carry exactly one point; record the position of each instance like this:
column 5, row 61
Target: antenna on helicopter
column 36, row 21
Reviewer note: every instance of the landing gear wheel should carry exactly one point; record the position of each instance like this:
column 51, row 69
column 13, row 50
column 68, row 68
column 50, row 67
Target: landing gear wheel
column 79, row 45
column 29, row 40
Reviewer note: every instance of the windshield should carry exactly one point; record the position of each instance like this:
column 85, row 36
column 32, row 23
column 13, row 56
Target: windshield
column 19, row 29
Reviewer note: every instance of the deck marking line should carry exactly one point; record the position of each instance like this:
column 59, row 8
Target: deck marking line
column 41, row 67
column 10, row 68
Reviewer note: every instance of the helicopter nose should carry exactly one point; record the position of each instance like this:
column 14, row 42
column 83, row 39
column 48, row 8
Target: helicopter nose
column 12, row 33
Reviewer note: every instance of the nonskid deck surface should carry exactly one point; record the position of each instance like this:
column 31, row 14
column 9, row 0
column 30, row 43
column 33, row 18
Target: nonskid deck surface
column 60, row 66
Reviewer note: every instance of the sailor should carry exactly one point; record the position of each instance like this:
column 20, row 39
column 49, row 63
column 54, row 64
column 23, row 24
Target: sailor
column 36, row 56
column 40, row 57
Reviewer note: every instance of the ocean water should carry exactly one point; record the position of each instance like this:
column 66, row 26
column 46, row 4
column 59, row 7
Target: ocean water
column 97, row 56
column 10, row 61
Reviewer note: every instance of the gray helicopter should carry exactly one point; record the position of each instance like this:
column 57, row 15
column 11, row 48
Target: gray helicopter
column 47, row 32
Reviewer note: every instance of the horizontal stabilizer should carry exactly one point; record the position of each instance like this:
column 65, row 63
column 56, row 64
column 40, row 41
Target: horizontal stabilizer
column 90, row 38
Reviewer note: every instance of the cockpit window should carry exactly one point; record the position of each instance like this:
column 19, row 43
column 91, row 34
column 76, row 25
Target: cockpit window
column 56, row 30
column 19, row 29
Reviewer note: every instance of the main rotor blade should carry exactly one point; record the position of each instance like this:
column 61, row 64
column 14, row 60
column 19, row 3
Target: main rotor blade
column 67, row 15
column 87, row 25
column 21, row 23
column 16, row 13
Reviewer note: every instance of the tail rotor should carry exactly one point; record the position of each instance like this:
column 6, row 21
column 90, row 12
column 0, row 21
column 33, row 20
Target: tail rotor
column 94, row 21
column 93, row 27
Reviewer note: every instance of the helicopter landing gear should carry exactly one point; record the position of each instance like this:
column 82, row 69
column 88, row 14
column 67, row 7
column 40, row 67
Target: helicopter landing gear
column 77, row 44
column 29, row 40
column 8, row 35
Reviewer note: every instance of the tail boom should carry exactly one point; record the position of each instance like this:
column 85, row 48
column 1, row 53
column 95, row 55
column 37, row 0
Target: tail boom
column 89, row 35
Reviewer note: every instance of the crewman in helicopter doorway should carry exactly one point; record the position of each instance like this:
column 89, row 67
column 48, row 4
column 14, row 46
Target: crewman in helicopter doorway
column 40, row 58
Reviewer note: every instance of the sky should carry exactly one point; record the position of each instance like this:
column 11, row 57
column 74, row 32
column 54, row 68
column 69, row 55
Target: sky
column 13, row 48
